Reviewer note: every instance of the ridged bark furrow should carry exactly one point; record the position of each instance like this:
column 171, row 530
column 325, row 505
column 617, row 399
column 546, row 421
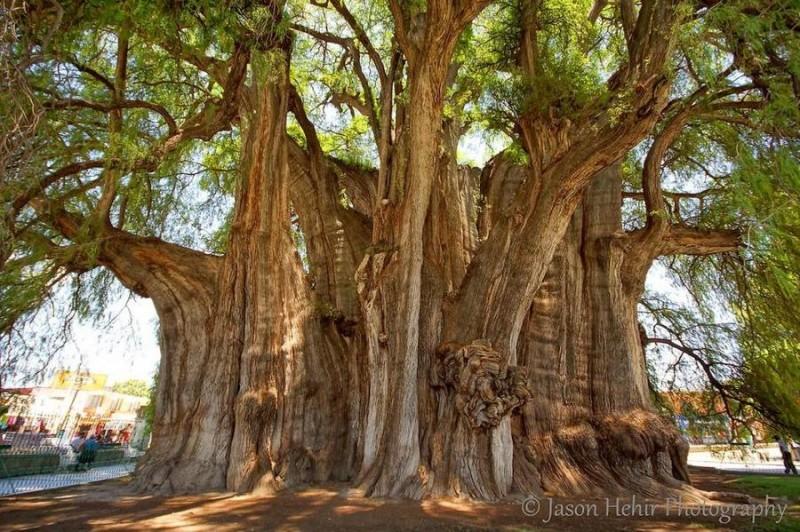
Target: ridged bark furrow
column 587, row 429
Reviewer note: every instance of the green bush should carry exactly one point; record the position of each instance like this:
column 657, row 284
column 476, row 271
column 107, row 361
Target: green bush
column 15, row 465
column 108, row 456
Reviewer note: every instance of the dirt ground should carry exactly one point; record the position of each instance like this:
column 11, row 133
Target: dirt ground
column 113, row 506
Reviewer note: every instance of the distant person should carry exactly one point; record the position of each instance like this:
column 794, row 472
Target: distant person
column 125, row 435
column 77, row 441
column 786, row 453
column 88, row 453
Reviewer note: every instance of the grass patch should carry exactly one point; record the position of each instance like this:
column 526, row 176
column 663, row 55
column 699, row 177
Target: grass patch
column 789, row 524
column 786, row 487
column 774, row 486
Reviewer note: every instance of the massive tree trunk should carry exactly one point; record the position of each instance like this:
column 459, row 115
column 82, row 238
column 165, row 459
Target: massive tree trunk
column 455, row 333
column 186, row 452
column 390, row 280
column 277, row 403
column 483, row 322
column 266, row 373
column 390, row 277
column 335, row 239
column 589, row 427
column 297, row 397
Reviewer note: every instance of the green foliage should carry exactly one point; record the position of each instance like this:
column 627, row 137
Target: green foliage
column 135, row 387
column 768, row 282
column 150, row 408
column 747, row 163
column 568, row 70
column 759, row 288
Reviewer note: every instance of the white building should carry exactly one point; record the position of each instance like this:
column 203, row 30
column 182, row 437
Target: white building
column 73, row 403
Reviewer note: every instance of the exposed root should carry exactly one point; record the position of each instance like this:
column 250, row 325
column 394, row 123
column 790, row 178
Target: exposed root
column 171, row 476
column 636, row 453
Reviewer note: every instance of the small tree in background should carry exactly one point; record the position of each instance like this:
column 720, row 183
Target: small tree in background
column 136, row 387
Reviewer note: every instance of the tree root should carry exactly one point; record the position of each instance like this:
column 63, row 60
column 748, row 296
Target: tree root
column 636, row 453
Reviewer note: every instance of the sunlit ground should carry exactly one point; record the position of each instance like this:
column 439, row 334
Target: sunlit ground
column 112, row 506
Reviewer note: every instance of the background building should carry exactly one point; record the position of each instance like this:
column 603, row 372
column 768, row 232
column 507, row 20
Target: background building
column 74, row 402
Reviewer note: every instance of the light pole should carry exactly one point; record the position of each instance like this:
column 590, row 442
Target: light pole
column 77, row 382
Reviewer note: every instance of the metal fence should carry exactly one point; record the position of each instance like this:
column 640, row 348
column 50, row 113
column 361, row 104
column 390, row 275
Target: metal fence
column 32, row 429
column 25, row 468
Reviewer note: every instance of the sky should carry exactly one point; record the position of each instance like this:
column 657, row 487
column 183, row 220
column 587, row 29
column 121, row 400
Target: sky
column 126, row 347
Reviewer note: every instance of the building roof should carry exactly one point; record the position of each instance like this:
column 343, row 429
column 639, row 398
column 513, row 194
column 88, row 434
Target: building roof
column 17, row 391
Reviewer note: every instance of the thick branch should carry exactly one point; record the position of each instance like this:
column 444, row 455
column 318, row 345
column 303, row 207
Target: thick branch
column 118, row 249
column 685, row 240
column 73, row 103
column 362, row 37
column 657, row 217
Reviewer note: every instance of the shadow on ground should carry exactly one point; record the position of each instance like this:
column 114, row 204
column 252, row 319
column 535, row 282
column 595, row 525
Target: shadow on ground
column 113, row 506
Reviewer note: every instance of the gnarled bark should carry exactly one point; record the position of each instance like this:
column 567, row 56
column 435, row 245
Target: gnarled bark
column 182, row 285
column 288, row 422
column 390, row 277
column 589, row 427
column 262, row 372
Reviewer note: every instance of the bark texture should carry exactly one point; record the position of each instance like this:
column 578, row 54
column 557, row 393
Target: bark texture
column 270, row 405
column 420, row 328
column 455, row 332
column 589, row 427
column 390, row 276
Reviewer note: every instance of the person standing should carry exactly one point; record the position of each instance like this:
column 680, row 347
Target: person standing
column 786, row 453
column 88, row 453
column 76, row 442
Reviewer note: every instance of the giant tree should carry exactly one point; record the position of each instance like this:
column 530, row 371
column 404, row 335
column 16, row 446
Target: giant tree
column 339, row 297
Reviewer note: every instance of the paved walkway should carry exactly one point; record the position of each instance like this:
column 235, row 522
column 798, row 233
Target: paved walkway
column 30, row 483
column 763, row 468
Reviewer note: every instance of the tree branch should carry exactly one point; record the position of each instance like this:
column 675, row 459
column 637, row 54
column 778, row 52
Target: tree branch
column 401, row 22
column 685, row 240
column 362, row 37
column 77, row 103
column 37, row 188
column 92, row 73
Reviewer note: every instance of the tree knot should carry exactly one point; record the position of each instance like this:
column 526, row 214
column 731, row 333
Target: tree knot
column 487, row 388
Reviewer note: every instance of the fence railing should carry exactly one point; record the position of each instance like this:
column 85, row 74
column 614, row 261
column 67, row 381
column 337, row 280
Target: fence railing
column 25, row 468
